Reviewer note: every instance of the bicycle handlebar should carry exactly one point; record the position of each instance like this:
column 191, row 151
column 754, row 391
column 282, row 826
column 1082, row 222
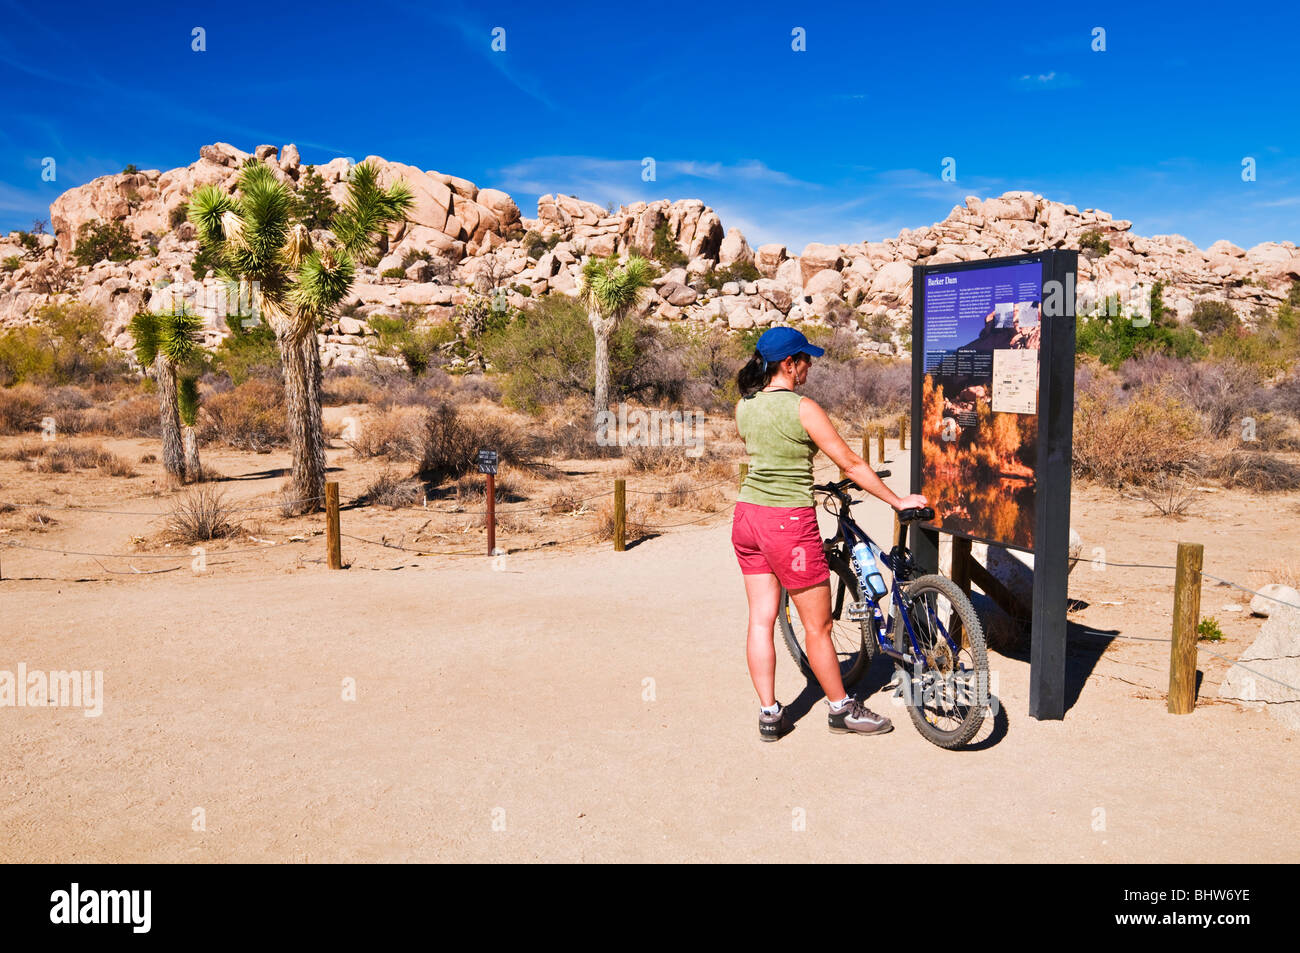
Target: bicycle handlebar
column 910, row 515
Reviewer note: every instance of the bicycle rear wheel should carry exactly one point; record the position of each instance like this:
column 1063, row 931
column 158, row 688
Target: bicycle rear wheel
column 854, row 642
column 946, row 691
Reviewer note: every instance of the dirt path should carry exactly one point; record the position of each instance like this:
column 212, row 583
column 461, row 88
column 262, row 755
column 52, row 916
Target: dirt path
column 518, row 699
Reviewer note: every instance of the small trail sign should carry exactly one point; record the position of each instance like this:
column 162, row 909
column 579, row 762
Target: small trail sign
column 487, row 461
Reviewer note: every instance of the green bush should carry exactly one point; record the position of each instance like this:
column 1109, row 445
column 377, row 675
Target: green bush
column 1213, row 317
column 1091, row 241
column 413, row 255
column 393, row 273
column 248, row 352
column 12, row 263
column 665, row 249
column 737, row 271
column 399, row 336
column 97, row 241
column 1114, row 338
column 1207, row 630
column 536, row 246
column 130, row 169
column 312, row 205
column 179, row 215
column 65, row 346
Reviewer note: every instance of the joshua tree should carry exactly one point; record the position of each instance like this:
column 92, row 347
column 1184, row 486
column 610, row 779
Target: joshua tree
column 166, row 341
column 188, row 405
column 296, row 284
column 610, row 293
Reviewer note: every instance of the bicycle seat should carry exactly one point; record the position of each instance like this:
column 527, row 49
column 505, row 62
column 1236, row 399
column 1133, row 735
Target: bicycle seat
column 915, row 513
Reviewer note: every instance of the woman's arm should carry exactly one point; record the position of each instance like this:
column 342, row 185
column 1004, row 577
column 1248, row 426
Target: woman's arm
column 829, row 441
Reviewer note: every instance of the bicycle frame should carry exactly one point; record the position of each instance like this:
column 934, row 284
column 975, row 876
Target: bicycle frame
column 902, row 569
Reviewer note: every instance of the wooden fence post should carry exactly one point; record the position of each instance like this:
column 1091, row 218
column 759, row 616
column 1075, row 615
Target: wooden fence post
column 880, row 443
column 866, row 445
column 620, row 515
column 1187, row 614
column 333, row 540
column 902, row 433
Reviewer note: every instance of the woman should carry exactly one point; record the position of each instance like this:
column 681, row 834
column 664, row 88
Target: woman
column 774, row 529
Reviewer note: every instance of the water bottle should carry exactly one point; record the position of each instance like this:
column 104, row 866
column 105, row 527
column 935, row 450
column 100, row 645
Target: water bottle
column 869, row 578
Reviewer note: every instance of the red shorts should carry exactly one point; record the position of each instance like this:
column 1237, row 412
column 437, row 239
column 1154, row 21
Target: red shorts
column 783, row 540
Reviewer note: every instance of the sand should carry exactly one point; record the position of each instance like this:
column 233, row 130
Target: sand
column 585, row 705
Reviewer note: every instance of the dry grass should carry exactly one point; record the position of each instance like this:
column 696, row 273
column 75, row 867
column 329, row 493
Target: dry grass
column 1137, row 441
column 58, row 457
column 634, row 521
column 200, row 516
column 1260, row 471
column 1169, row 495
column 394, row 434
column 248, row 417
column 392, row 491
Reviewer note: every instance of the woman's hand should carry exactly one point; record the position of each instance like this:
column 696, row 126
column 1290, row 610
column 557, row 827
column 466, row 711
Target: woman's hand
column 915, row 501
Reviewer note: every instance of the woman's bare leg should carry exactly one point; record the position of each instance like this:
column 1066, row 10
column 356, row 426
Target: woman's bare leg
column 763, row 592
column 814, row 606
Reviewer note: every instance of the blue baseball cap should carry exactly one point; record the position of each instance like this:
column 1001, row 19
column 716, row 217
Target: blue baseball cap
column 777, row 344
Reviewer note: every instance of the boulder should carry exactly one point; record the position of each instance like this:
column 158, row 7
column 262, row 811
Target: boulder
column 734, row 248
column 768, row 259
column 827, row 281
column 1269, row 668
column 1271, row 598
column 893, row 280
column 818, row 257
column 678, row 295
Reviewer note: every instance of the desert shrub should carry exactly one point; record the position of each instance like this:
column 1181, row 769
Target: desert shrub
column 1222, row 392
column 247, row 353
column 536, row 246
column 664, row 249
column 420, row 348
column 1114, row 339
column 201, row 515
column 472, row 388
column 1252, row 470
column 737, row 271
column 547, row 353
column 412, row 255
column 392, row 491
column 12, row 263
column 710, row 359
column 567, row 433
column 136, row 417
column 396, row 272
column 97, row 241
column 451, row 438
column 1154, row 432
column 395, row 434
column 67, row 457
column 1213, row 317
column 343, row 386
column 861, row 387
column 20, row 409
column 1091, row 242
column 248, row 417
column 66, row 345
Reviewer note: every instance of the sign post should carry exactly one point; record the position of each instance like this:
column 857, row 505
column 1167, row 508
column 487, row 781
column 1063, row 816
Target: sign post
column 487, row 463
column 992, row 431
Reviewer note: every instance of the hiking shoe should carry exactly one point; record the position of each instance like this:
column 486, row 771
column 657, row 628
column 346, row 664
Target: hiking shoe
column 772, row 727
column 857, row 717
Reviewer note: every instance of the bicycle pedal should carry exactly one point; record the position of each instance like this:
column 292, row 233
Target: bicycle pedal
column 859, row 611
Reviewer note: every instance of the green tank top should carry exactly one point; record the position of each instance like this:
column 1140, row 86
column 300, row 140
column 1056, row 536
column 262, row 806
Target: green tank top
column 780, row 450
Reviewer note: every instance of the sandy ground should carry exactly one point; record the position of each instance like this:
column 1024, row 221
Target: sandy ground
column 577, row 704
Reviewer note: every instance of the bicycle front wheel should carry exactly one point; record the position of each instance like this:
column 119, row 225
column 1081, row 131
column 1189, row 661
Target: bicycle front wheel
column 854, row 642
column 946, row 686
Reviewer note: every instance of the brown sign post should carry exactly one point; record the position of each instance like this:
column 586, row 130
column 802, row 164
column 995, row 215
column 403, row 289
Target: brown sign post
column 487, row 463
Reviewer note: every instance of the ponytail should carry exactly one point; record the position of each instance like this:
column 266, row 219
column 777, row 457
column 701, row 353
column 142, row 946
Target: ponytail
column 754, row 375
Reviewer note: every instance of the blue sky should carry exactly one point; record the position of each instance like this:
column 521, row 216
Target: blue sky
column 844, row 141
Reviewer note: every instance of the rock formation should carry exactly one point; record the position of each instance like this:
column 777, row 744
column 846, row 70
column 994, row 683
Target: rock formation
column 460, row 237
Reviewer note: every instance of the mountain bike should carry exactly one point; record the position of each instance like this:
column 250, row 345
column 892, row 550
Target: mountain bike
column 926, row 624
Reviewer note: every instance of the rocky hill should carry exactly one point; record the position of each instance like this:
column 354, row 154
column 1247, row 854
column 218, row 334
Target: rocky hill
column 470, row 237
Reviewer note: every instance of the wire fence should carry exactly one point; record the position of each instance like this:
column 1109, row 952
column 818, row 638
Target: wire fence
column 220, row 556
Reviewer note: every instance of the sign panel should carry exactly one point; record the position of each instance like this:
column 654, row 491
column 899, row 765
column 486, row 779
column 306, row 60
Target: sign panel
column 487, row 461
column 979, row 400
